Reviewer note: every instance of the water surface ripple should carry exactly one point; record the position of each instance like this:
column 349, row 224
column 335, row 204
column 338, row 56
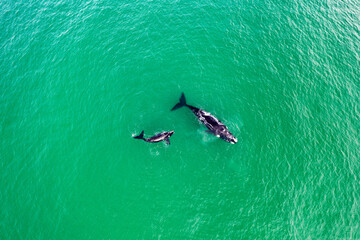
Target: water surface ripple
column 78, row 79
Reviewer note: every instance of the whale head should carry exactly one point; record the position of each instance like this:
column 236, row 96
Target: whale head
column 233, row 140
column 225, row 134
column 229, row 138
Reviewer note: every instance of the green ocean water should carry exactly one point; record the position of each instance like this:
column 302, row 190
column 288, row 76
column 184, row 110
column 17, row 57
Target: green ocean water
column 78, row 79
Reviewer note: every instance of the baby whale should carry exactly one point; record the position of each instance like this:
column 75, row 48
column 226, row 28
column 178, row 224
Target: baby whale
column 212, row 123
column 164, row 136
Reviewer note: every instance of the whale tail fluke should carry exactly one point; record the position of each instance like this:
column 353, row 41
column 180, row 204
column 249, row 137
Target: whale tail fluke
column 182, row 102
column 141, row 136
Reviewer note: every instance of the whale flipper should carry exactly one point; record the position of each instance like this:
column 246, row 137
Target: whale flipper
column 167, row 141
column 210, row 132
column 181, row 103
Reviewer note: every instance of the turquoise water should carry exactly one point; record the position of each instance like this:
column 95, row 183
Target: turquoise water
column 79, row 79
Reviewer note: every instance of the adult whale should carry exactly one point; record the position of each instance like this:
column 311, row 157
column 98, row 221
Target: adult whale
column 164, row 136
column 212, row 123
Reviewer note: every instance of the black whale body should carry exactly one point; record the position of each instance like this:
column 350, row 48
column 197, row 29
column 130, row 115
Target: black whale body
column 212, row 123
column 164, row 136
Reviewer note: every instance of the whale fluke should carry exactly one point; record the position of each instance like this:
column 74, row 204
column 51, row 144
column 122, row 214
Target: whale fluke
column 141, row 136
column 182, row 102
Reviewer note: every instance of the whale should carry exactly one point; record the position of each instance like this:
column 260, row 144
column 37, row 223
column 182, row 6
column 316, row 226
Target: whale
column 164, row 136
column 214, row 125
